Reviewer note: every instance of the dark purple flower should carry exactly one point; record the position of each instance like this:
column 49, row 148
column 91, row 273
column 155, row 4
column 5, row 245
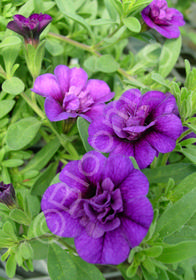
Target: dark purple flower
column 164, row 20
column 7, row 194
column 102, row 203
column 69, row 94
column 30, row 28
column 137, row 125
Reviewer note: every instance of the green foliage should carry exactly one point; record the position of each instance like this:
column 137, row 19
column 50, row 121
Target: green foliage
column 62, row 265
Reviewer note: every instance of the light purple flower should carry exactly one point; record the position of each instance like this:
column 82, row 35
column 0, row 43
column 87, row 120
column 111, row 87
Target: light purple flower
column 69, row 94
column 101, row 202
column 164, row 20
column 30, row 28
column 137, row 125
column 7, row 194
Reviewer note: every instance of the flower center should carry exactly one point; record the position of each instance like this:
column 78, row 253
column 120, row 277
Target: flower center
column 76, row 100
column 99, row 214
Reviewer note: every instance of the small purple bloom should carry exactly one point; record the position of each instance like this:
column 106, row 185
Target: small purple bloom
column 30, row 28
column 7, row 194
column 102, row 203
column 69, row 94
column 164, row 20
column 137, row 125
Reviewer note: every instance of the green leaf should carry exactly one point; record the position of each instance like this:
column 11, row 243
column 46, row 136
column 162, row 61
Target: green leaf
column 154, row 251
column 62, row 265
column 13, row 86
column 107, row 64
column 184, row 187
column 21, row 133
column 19, row 216
column 132, row 23
column 178, row 252
column 83, row 125
column 38, row 226
column 176, row 171
column 11, row 266
column 5, row 107
column 169, row 55
column 43, row 156
column 10, row 42
column 64, row 7
column 111, row 8
column 26, row 250
column 177, row 215
column 40, row 249
column 12, row 162
column 43, row 181
column 134, row 163
column 102, row 21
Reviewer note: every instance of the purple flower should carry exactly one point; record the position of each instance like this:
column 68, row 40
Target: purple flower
column 30, row 28
column 164, row 20
column 7, row 194
column 137, row 125
column 102, row 203
column 69, row 94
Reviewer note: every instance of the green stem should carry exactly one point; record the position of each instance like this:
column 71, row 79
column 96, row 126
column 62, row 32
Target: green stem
column 91, row 50
column 33, row 106
column 164, row 159
column 74, row 43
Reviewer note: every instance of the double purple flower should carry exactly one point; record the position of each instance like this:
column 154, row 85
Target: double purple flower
column 102, row 203
column 137, row 125
column 164, row 20
column 69, row 94
column 30, row 28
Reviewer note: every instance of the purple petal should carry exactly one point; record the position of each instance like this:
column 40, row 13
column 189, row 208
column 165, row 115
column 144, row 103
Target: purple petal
column 91, row 166
column 101, row 136
column 139, row 210
column 78, row 79
column 99, row 90
column 169, row 125
column 16, row 27
column 117, row 168
column 131, row 97
column 118, row 124
column 113, row 248
column 62, row 74
column 46, row 85
column 135, row 185
column 168, row 106
column 144, row 153
column 55, row 203
column 72, row 176
column 54, row 111
column 161, row 142
column 44, row 20
column 138, row 128
column 153, row 99
column 95, row 111
column 124, row 148
column 134, row 232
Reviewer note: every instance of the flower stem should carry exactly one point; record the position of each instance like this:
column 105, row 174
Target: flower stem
column 185, row 133
column 93, row 51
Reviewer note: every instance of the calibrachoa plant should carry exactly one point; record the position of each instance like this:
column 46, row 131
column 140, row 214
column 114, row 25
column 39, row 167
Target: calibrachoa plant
column 97, row 121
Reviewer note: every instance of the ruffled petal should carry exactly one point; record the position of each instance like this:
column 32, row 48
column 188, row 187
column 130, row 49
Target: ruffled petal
column 99, row 90
column 94, row 112
column 135, row 185
column 161, row 142
column 55, row 205
column 62, row 73
column 112, row 248
column 46, row 85
column 144, row 153
column 54, row 111
column 78, row 79
column 169, row 125
column 117, row 168
column 101, row 136
column 139, row 210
